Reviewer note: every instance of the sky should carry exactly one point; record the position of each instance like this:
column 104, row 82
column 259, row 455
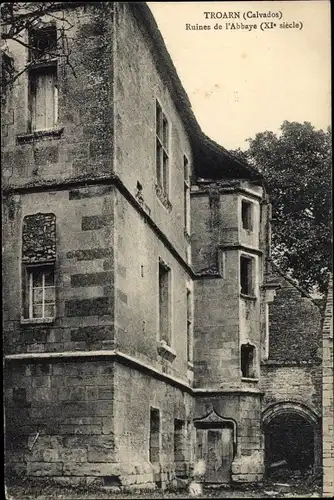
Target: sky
column 241, row 81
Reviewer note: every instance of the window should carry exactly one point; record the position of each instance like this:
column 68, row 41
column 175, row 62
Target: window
column 164, row 303
column 43, row 88
column 154, row 440
column 162, row 149
column 189, row 328
column 247, row 214
column 248, row 361
column 186, row 195
column 43, row 98
column 246, row 275
column 179, row 446
column 39, row 299
column 43, row 43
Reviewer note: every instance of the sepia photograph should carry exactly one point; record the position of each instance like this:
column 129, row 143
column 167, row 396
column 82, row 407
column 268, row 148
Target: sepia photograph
column 167, row 300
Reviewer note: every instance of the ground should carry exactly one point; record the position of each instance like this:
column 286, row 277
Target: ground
column 269, row 489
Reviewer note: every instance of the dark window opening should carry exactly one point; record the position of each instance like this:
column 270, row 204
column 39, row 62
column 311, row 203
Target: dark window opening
column 247, row 361
column 154, row 444
column 246, row 276
column 179, row 446
column 43, row 43
column 247, row 214
column 164, row 303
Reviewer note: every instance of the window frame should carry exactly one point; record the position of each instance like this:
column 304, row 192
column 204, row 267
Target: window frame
column 162, row 148
column 28, row 289
column 45, row 65
column 247, row 216
column 251, row 276
column 251, row 371
column 165, row 336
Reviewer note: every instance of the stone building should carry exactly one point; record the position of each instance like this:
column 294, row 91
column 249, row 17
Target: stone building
column 136, row 273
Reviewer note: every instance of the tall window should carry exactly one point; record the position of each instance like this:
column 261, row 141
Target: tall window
column 186, row 195
column 247, row 360
column 43, row 87
column 179, row 446
column 164, row 303
column 247, row 275
column 39, row 293
column 189, row 328
column 154, row 440
column 162, row 149
column 247, row 214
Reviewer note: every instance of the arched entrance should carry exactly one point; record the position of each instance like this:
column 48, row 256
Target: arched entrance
column 291, row 436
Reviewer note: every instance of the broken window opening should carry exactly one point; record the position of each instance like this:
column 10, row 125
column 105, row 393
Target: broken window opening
column 154, row 440
column 247, row 360
column 247, row 215
column 247, row 275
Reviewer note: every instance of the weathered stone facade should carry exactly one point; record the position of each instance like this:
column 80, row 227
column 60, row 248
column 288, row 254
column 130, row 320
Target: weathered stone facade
column 95, row 394
column 327, row 396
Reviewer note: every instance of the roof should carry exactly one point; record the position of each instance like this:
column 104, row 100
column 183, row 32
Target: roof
column 213, row 160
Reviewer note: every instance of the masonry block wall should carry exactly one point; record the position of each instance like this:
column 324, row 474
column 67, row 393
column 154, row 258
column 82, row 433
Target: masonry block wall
column 293, row 368
column 224, row 317
column 327, row 396
column 140, row 82
column 59, row 420
column 291, row 374
column 136, row 393
column 81, row 144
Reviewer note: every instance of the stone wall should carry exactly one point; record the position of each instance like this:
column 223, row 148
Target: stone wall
column 135, row 394
column 139, row 82
column 81, row 144
column 59, row 420
column 327, row 397
column 39, row 238
column 83, row 272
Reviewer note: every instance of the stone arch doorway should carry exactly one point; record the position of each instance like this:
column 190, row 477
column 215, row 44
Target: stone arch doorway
column 291, row 434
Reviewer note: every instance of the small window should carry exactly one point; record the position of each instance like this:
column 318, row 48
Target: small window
column 162, row 149
column 179, row 446
column 154, row 440
column 39, row 292
column 43, row 98
column 43, row 43
column 247, row 275
column 247, row 361
column 164, row 303
column 189, row 328
column 247, row 214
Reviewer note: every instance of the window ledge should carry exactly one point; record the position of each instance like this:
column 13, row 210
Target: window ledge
column 248, row 297
column 40, row 134
column 165, row 351
column 36, row 321
column 163, row 197
column 249, row 379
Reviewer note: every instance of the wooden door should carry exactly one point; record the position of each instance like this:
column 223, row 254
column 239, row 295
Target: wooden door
column 215, row 446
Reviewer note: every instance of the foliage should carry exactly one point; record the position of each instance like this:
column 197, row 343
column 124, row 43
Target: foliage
column 296, row 165
column 20, row 18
